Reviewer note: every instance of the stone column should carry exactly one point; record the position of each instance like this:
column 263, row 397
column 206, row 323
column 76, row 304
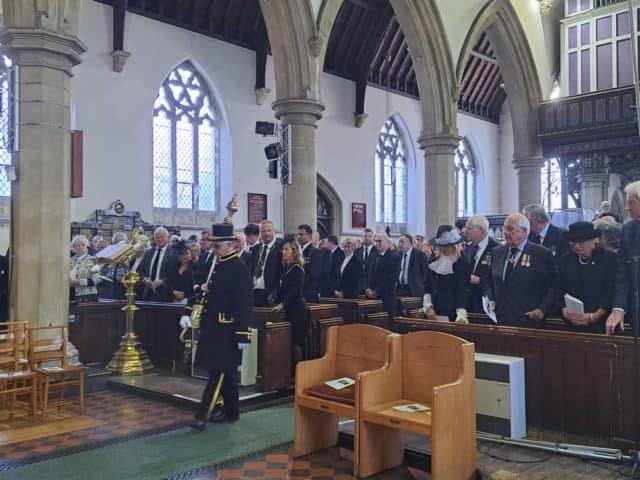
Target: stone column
column 42, row 42
column 440, row 195
column 529, row 187
column 300, row 197
column 594, row 188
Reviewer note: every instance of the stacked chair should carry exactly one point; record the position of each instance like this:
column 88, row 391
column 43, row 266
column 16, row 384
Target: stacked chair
column 435, row 370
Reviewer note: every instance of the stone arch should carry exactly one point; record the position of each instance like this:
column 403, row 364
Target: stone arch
column 298, row 44
column 333, row 198
column 503, row 29
column 427, row 41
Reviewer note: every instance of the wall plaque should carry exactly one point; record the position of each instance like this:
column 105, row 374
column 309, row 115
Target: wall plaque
column 359, row 215
column 256, row 207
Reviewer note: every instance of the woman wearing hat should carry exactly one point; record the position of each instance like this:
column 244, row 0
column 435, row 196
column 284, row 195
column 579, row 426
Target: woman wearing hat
column 447, row 284
column 180, row 279
column 587, row 273
column 290, row 298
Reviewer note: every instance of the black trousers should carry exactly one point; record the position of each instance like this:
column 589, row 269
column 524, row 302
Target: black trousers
column 260, row 297
column 229, row 392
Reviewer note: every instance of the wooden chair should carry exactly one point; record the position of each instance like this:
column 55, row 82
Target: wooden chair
column 351, row 349
column 16, row 378
column 433, row 369
column 49, row 344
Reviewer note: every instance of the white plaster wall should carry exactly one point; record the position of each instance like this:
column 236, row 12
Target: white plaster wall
column 115, row 110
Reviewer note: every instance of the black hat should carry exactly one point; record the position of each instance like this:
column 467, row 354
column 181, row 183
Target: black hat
column 221, row 232
column 580, row 232
column 445, row 236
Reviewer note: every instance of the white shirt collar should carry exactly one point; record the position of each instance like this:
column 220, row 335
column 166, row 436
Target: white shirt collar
column 543, row 233
column 483, row 243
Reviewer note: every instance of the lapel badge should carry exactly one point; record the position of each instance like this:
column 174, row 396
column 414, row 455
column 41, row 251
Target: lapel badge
column 526, row 260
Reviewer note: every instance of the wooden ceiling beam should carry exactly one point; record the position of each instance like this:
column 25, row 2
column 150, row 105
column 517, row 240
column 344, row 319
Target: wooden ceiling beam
column 484, row 57
column 483, row 71
column 358, row 39
column 201, row 13
column 366, row 4
column 119, row 13
column 491, row 84
column 345, row 36
column 467, row 76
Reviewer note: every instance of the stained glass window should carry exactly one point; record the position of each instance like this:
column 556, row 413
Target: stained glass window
column 185, row 143
column 464, row 179
column 6, row 128
column 391, row 177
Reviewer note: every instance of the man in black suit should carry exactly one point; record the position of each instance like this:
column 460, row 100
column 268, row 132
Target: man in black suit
column 413, row 269
column 384, row 275
column 479, row 253
column 628, row 264
column 522, row 277
column 543, row 232
column 155, row 267
column 331, row 266
column 367, row 254
column 312, row 264
column 266, row 265
column 244, row 255
column 252, row 241
column 204, row 262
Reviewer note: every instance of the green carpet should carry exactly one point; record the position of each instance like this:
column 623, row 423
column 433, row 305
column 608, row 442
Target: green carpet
column 169, row 453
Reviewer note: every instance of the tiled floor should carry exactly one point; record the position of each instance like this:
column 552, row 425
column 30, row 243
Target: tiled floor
column 124, row 417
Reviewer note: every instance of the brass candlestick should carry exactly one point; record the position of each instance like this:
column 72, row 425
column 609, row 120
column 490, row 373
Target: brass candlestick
column 232, row 208
column 129, row 359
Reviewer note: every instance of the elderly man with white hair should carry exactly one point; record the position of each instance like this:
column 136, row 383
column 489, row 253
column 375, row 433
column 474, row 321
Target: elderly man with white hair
column 154, row 269
column 479, row 252
column 522, row 277
column 384, row 275
column 628, row 265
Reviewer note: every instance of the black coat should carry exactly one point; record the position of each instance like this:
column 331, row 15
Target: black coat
column 228, row 309
column 481, row 269
column 312, row 273
column 181, row 283
column 530, row 285
column 416, row 273
column 554, row 241
column 291, row 296
column 202, row 267
column 272, row 265
column 349, row 279
column 592, row 283
column 163, row 293
column 384, row 278
column 449, row 292
column 367, row 266
column 627, row 260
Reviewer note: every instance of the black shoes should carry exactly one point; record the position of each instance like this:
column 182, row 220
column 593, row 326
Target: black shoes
column 217, row 417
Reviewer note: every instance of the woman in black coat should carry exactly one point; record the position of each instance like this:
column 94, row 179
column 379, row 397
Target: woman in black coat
column 588, row 274
column 349, row 272
column 290, row 298
column 180, row 279
column 448, row 288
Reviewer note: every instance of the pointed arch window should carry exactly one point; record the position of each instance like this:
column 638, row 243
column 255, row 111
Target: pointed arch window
column 185, row 143
column 6, row 127
column 465, row 181
column 391, row 178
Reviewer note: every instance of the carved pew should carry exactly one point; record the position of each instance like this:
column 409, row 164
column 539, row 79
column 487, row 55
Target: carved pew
column 318, row 314
column 274, row 350
column 355, row 310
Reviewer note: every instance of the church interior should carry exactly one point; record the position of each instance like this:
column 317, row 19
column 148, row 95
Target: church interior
column 326, row 229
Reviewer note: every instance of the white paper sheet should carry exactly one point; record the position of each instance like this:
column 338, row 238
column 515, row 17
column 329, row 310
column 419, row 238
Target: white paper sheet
column 573, row 304
column 486, row 306
column 411, row 407
column 340, row 383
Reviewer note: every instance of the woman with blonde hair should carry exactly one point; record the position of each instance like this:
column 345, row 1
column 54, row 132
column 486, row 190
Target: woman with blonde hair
column 350, row 271
column 290, row 298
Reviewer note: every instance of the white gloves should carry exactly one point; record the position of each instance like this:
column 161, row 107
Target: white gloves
column 243, row 346
column 461, row 315
column 185, row 321
column 426, row 302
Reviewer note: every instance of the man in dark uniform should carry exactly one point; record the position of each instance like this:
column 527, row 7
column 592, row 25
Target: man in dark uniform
column 228, row 308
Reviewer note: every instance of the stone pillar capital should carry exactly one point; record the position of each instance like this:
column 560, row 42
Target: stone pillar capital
column 441, row 144
column 593, row 178
column 41, row 48
column 528, row 162
column 298, row 111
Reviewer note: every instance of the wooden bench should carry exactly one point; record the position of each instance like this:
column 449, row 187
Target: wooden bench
column 433, row 369
column 355, row 310
column 351, row 349
column 274, row 350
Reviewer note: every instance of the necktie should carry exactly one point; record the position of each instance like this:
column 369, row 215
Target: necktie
column 366, row 253
column 537, row 239
column 154, row 264
column 511, row 263
column 403, row 271
column 261, row 260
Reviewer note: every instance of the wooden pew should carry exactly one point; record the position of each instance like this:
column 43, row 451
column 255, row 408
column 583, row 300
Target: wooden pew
column 576, row 384
column 318, row 313
column 435, row 370
column 405, row 304
column 97, row 330
column 274, row 350
column 351, row 349
column 355, row 310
